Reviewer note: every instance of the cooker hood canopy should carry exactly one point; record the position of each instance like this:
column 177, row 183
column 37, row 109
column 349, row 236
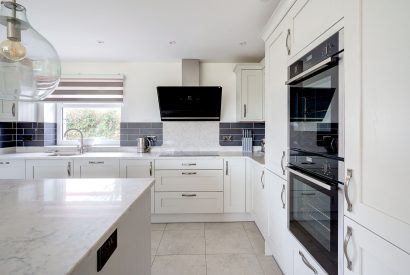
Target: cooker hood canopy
column 190, row 102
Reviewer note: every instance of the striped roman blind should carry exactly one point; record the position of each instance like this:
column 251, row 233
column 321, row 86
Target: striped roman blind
column 89, row 89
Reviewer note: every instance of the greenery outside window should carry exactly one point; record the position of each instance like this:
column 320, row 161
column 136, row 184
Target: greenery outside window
column 99, row 122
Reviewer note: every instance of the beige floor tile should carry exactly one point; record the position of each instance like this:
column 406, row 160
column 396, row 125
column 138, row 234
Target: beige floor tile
column 223, row 226
column 158, row 226
column 228, row 240
column 179, row 265
column 185, row 226
column 269, row 265
column 186, row 242
column 155, row 240
column 250, row 227
column 257, row 242
column 233, row 264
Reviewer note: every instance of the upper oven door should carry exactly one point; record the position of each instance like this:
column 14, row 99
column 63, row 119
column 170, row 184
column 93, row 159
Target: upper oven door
column 314, row 112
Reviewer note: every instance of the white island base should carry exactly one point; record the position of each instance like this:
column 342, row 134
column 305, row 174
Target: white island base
column 58, row 226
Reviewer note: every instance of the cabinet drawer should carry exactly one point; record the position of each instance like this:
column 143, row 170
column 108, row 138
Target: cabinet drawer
column 184, row 164
column 189, row 180
column 188, row 202
column 304, row 263
column 97, row 168
column 12, row 169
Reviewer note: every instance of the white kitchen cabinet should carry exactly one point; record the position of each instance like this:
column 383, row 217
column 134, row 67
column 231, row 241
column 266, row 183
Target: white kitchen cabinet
column 12, row 169
column 49, row 169
column 189, row 163
column 377, row 115
column 142, row 168
column 96, row 168
column 250, row 92
column 303, row 262
column 234, row 185
column 188, row 202
column 259, row 197
column 130, row 168
column 8, row 110
column 276, row 102
column 308, row 19
column 279, row 236
column 189, row 180
column 371, row 255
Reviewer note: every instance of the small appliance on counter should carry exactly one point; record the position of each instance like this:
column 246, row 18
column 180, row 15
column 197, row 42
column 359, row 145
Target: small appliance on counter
column 144, row 144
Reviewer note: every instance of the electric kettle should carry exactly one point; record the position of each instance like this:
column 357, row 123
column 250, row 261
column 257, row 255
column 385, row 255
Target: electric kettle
column 143, row 145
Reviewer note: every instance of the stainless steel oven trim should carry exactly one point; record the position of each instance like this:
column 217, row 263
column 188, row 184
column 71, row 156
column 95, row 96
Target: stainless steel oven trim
column 327, row 62
column 315, row 181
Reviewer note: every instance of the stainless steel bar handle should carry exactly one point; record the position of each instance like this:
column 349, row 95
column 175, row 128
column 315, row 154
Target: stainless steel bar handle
column 281, row 163
column 188, row 173
column 349, row 176
column 188, row 164
column 306, row 262
column 96, row 162
column 263, row 179
column 69, row 169
column 150, row 168
column 281, row 196
column 226, row 168
column 287, row 42
column 13, row 109
column 349, row 234
column 189, row 195
column 244, row 110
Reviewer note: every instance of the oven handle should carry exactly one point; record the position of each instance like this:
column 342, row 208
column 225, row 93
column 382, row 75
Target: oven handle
column 332, row 60
column 315, row 181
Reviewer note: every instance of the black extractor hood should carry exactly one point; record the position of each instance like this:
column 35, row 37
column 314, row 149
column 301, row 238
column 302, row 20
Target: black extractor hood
column 190, row 103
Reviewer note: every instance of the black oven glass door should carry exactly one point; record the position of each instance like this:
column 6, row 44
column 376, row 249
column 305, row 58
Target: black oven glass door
column 313, row 218
column 314, row 113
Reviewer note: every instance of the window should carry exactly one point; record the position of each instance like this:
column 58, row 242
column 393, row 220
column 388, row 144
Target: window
column 99, row 122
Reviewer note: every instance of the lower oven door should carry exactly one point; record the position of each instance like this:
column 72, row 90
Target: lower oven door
column 313, row 217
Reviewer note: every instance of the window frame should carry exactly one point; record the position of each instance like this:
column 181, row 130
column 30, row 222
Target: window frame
column 59, row 118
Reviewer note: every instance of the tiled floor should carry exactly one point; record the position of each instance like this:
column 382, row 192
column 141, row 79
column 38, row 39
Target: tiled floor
column 210, row 249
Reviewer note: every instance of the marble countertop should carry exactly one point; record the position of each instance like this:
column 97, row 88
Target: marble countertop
column 48, row 226
column 256, row 156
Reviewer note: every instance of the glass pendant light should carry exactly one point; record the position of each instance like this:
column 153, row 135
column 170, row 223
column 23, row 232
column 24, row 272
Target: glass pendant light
column 29, row 65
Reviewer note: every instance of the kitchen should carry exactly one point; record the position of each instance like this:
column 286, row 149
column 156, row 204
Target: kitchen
column 171, row 130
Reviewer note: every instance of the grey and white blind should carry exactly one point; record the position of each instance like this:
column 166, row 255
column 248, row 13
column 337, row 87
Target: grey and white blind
column 89, row 89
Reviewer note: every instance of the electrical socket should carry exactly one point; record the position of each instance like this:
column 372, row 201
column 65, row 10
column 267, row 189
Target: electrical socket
column 227, row 138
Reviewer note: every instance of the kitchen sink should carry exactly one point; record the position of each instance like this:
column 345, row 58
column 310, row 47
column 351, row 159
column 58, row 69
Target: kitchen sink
column 63, row 154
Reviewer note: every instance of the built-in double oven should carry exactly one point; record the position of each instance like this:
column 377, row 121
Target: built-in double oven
column 316, row 150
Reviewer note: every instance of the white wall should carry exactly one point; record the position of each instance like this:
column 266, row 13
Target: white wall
column 142, row 78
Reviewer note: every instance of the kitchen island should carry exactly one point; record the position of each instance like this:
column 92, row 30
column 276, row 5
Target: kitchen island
column 59, row 226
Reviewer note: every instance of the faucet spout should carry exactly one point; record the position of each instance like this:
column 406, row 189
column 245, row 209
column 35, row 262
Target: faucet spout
column 81, row 149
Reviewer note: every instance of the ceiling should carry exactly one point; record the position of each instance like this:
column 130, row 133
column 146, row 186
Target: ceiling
column 141, row 30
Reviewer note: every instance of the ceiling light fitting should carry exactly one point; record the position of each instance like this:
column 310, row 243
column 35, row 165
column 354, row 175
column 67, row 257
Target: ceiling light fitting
column 243, row 43
column 30, row 68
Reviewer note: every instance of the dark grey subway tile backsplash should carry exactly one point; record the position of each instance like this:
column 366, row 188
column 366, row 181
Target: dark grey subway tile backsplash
column 7, row 134
column 234, row 132
column 36, row 134
column 131, row 131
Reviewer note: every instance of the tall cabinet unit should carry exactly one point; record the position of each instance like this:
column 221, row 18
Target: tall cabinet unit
column 279, row 238
column 276, row 102
column 249, row 92
column 377, row 111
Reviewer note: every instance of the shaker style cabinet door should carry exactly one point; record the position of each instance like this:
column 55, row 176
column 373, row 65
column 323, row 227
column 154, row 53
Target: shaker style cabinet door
column 279, row 237
column 49, row 169
column 276, row 103
column 234, row 185
column 368, row 254
column 252, row 95
column 259, row 198
column 97, row 168
column 377, row 117
column 8, row 110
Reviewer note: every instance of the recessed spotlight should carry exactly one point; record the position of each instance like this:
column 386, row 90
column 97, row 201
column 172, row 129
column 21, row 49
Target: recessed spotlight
column 100, row 41
column 172, row 42
column 243, row 43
